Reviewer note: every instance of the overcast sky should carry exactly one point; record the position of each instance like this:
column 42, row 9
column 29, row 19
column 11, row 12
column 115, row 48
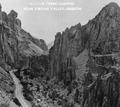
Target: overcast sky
column 45, row 24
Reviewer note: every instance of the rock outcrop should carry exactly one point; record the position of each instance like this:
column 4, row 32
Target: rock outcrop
column 17, row 45
column 104, row 46
column 66, row 45
column 17, row 48
column 6, row 87
column 91, row 51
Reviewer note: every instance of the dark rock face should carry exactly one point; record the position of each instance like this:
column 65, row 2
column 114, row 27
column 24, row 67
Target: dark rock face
column 17, row 49
column 8, row 44
column 104, row 29
column 99, row 37
column 103, row 90
column 6, row 87
column 66, row 45
column 16, row 44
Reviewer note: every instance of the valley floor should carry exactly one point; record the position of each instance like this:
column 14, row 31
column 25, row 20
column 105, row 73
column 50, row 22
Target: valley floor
column 43, row 93
column 18, row 91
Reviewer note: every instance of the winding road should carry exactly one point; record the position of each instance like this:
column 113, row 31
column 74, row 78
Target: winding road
column 18, row 91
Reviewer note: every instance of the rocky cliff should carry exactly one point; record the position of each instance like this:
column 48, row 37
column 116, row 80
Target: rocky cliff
column 102, row 83
column 16, row 44
column 89, row 53
column 6, row 87
column 17, row 48
column 66, row 45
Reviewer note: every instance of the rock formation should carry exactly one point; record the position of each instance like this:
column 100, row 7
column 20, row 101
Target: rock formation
column 17, row 47
column 104, row 47
column 80, row 44
column 16, row 44
column 81, row 68
column 66, row 45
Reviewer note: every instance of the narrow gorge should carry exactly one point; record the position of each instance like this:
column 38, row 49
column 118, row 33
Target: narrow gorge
column 19, row 90
column 81, row 69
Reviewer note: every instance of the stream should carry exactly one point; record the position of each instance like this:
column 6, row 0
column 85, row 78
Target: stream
column 18, row 90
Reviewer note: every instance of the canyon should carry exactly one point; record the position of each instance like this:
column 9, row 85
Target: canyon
column 81, row 69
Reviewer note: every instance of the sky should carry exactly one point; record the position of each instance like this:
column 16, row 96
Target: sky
column 45, row 24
